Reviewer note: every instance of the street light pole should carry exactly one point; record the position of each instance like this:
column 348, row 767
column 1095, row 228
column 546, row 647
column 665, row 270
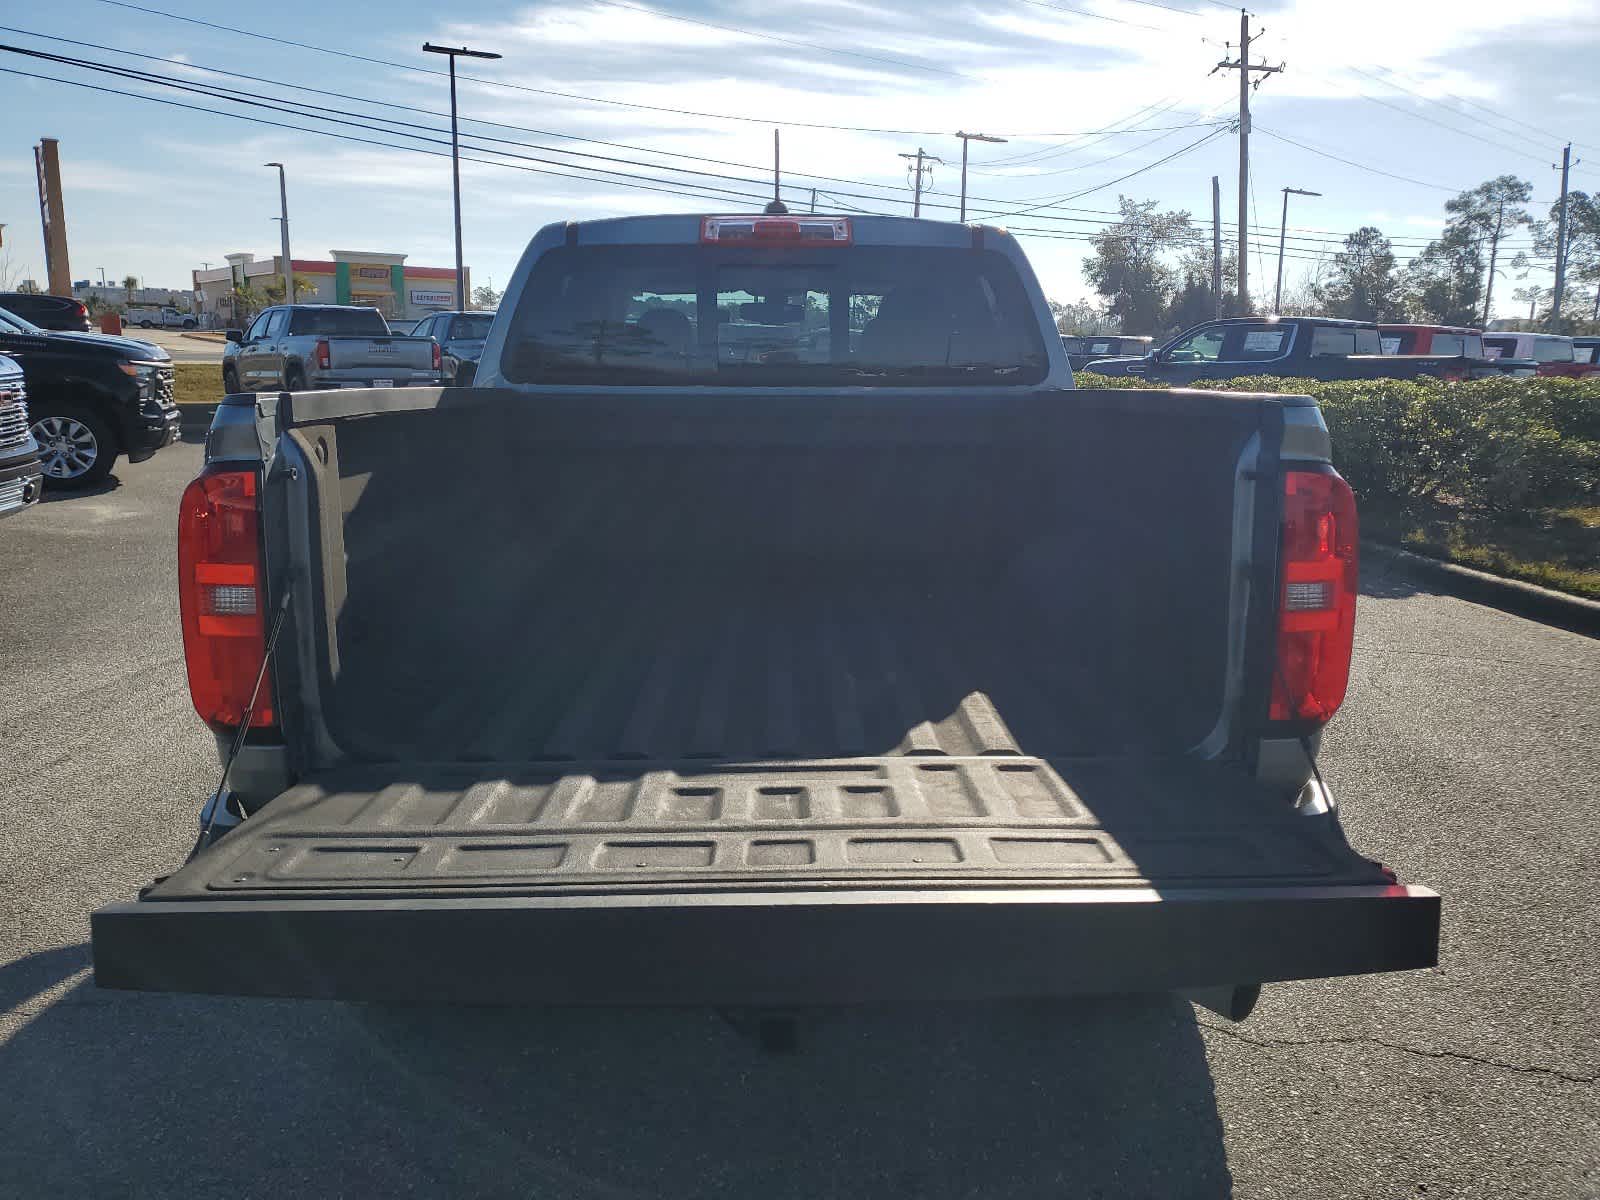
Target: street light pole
column 965, row 138
column 283, row 229
column 1283, row 229
column 455, row 154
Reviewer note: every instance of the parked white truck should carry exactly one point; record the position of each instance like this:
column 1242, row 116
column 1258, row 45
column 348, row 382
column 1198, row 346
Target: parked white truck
column 158, row 317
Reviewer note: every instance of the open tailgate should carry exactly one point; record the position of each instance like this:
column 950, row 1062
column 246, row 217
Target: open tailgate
column 766, row 883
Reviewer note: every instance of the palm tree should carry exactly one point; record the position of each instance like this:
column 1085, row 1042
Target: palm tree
column 247, row 300
column 131, row 283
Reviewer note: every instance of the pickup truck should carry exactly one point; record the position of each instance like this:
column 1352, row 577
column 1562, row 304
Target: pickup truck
column 91, row 399
column 881, row 668
column 1084, row 350
column 21, row 473
column 1453, row 340
column 1288, row 347
column 461, row 336
column 150, row 317
column 301, row 347
column 1552, row 354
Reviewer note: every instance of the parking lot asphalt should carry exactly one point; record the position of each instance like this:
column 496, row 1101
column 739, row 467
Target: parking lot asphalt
column 1466, row 758
column 182, row 348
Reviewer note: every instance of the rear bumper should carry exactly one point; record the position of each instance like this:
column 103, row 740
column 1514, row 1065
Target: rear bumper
column 775, row 947
column 366, row 377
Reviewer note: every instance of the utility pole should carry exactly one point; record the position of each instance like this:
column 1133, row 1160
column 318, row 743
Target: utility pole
column 1283, row 229
column 965, row 138
column 1561, row 242
column 455, row 155
column 1216, row 245
column 813, row 199
column 922, row 157
column 1245, row 68
column 283, row 228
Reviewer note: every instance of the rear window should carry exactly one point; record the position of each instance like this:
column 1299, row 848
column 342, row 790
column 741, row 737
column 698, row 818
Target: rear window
column 1552, row 350
column 476, row 326
column 1586, row 353
column 335, row 322
column 1334, row 342
column 1470, row 344
column 813, row 317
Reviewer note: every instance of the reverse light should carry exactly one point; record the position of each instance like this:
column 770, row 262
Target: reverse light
column 220, row 581
column 812, row 231
column 438, row 357
column 324, row 356
column 1317, row 607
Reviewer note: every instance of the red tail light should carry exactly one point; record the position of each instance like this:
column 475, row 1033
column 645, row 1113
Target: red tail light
column 1317, row 607
column 221, row 596
column 806, row 230
column 438, row 357
column 324, row 361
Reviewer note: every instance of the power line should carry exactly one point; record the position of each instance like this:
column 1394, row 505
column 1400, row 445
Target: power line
column 1194, row 145
column 233, row 95
column 1430, row 120
column 1083, row 12
column 596, row 177
column 518, row 87
column 1350, row 162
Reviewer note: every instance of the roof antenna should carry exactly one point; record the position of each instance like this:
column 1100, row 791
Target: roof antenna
column 776, row 207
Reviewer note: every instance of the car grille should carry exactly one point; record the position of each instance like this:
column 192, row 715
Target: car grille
column 13, row 415
column 166, row 391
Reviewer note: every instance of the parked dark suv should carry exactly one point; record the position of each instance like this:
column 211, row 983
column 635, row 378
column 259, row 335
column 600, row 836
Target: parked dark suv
column 91, row 398
column 48, row 312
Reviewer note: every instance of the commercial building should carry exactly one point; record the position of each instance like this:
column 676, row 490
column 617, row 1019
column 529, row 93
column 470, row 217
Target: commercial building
column 367, row 277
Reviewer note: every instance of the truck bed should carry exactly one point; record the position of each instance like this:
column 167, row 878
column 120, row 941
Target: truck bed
column 769, row 699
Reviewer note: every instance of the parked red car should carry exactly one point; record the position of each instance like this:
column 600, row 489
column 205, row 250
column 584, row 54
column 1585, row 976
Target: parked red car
column 1553, row 353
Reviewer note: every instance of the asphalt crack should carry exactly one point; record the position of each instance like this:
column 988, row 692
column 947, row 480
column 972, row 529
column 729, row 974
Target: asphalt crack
column 1354, row 1040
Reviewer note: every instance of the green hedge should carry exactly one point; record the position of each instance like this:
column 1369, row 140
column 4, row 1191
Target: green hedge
column 1494, row 444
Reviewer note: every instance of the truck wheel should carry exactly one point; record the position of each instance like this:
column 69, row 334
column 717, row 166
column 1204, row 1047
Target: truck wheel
column 144, row 324
column 76, row 448
column 230, row 381
column 294, row 380
column 188, row 324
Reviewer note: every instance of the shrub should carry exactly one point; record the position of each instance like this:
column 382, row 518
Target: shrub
column 1499, row 444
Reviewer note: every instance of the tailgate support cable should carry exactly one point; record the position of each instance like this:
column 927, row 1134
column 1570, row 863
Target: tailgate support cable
column 214, row 806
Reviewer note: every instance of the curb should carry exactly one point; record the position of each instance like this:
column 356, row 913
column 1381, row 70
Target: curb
column 1573, row 613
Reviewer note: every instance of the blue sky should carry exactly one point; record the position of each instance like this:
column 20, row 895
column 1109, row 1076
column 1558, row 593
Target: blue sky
column 1444, row 95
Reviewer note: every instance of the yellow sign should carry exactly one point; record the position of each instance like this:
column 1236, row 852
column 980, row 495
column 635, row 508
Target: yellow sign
column 369, row 273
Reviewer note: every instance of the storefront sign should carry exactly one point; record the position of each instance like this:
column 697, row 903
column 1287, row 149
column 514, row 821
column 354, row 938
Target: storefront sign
column 361, row 273
column 432, row 297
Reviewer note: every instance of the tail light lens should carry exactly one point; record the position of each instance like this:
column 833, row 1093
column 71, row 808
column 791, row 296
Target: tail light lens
column 324, row 358
column 221, row 597
column 438, row 357
column 1317, row 608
